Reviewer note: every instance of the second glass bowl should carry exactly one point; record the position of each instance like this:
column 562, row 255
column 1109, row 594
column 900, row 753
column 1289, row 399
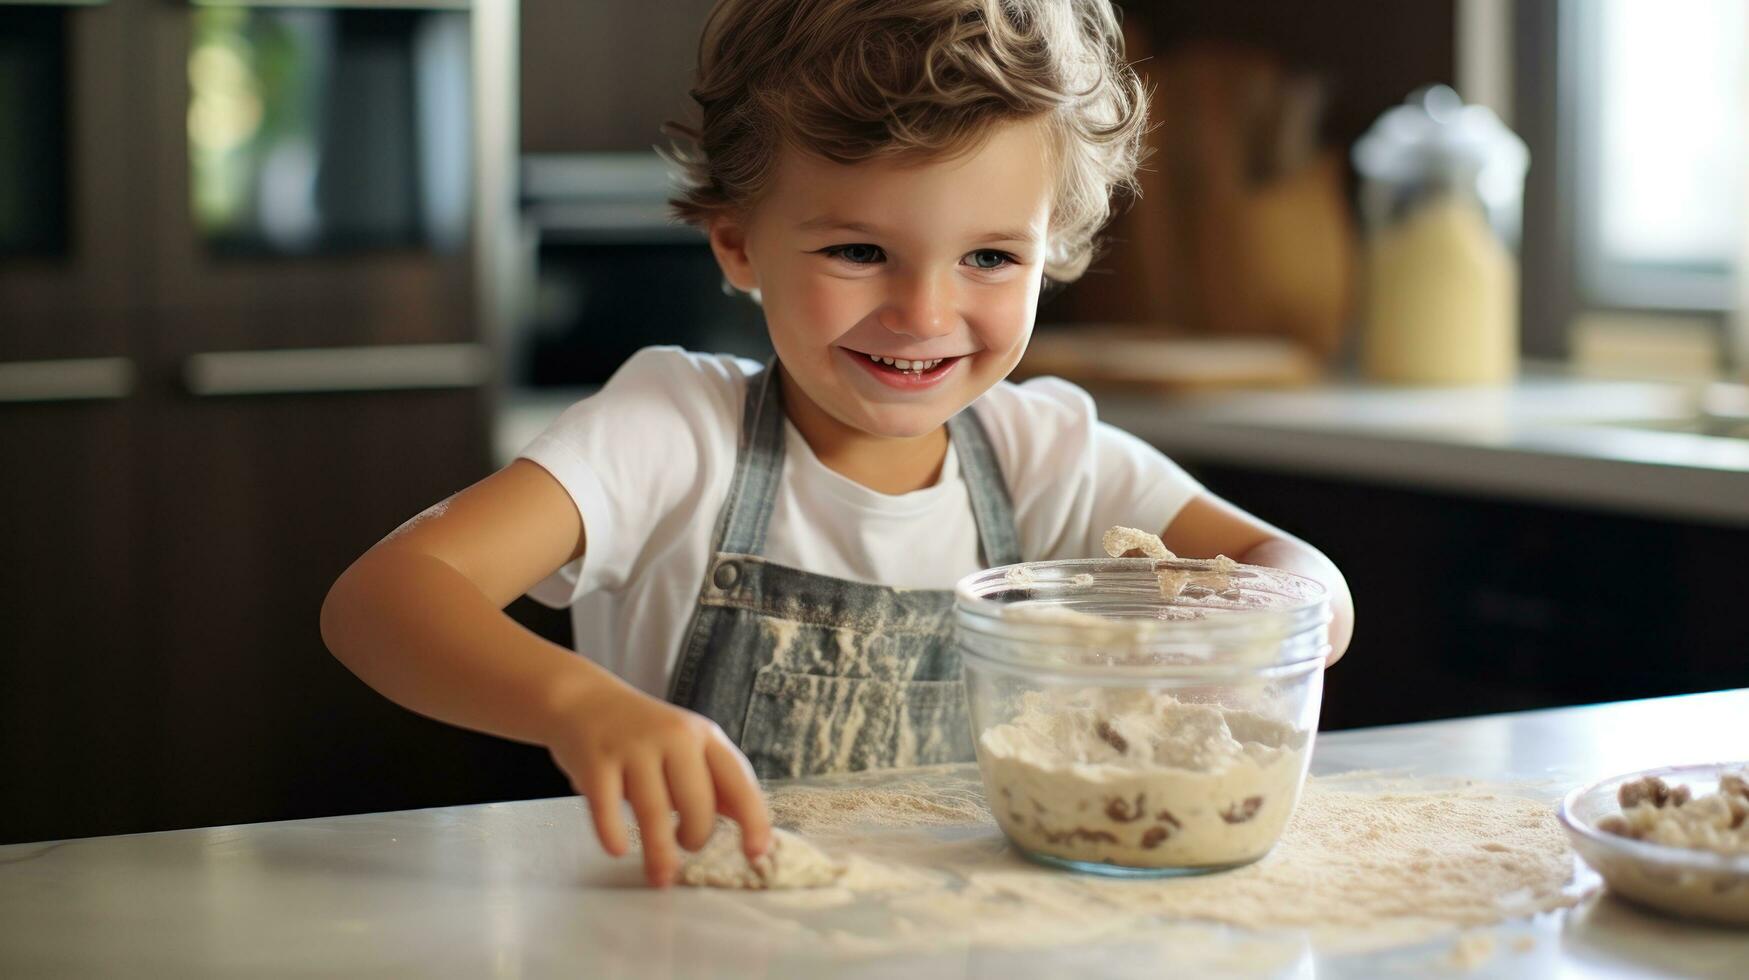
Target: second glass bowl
column 1677, row 880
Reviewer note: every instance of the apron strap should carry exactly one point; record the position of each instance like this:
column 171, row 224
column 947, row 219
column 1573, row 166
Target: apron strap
column 992, row 508
column 758, row 464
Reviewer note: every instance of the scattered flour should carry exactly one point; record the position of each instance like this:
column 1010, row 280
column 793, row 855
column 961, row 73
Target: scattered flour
column 1362, row 864
column 837, row 804
column 1471, row 950
column 1139, row 779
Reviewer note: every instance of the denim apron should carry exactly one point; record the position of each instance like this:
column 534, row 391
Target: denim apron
column 812, row 674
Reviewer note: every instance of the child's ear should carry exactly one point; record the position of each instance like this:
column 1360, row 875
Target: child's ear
column 729, row 241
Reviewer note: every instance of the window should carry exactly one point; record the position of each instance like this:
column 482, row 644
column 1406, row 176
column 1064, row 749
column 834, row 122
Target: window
column 313, row 130
column 1660, row 97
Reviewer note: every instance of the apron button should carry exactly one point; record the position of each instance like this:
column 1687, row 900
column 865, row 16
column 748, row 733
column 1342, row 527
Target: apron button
column 726, row 575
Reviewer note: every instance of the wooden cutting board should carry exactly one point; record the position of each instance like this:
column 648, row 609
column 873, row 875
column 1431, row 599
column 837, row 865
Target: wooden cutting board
column 1113, row 354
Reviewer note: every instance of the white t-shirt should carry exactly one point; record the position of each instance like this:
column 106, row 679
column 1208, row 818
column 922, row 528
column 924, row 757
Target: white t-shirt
column 649, row 458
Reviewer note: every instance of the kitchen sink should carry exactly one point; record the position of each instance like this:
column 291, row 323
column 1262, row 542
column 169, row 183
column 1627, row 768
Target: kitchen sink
column 1721, row 410
column 1703, row 425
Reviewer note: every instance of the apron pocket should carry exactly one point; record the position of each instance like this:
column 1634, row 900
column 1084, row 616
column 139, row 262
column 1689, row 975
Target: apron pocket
column 807, row 724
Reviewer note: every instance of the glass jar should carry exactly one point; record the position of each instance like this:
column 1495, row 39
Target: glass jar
column 1141, row 717
column 1441, row 201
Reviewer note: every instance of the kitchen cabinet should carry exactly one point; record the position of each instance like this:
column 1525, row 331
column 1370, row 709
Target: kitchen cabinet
column 75, row 680
column 275, row 495
column 74, row 677
column 197, row 439
column 1468, row 605
column 253, row 241
column 604, row 76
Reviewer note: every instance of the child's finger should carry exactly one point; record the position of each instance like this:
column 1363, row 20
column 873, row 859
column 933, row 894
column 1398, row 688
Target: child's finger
column 738, row 796
column 649, row 798
column 689, row 786
column 602, row 789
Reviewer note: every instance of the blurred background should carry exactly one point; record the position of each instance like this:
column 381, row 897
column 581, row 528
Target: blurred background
column 1450, row 288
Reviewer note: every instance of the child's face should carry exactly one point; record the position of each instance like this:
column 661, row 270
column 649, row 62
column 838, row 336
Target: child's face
column 946, row 266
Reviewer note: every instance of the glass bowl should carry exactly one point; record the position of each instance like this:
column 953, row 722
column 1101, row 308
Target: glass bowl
column 1680, row 880
column 1125, row 731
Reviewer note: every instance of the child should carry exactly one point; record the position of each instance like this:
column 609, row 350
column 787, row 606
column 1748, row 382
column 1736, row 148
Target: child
column 764, row 552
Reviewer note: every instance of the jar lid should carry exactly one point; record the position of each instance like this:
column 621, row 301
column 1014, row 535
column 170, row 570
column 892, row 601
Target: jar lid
column 1434, row 134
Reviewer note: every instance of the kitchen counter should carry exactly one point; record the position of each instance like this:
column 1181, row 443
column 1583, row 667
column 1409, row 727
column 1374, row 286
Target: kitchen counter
column 515, row 889
column 1549, row 438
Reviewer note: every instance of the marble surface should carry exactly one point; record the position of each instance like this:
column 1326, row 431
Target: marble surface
column 1549, row 438
column 521, row 889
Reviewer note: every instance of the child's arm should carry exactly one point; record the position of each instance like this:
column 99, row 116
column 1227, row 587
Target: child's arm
column 1209, row 526
column 420, row 618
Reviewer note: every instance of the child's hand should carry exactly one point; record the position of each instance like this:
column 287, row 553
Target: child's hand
column 614, row 742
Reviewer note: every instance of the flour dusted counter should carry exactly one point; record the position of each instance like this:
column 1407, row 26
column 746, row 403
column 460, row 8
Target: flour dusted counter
column 521, row 889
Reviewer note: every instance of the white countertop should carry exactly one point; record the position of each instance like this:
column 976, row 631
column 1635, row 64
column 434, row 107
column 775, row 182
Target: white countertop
column 1548, row 438
column 521, row 889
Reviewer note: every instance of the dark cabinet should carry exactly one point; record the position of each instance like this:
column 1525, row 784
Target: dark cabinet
column 68, row 230
column 603, row 76
column 1467, row 605
column 200, row 426
column 275, row 495
column 75, row 682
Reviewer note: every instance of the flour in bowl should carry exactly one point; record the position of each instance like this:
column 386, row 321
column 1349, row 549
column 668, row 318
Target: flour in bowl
column 1140, row 779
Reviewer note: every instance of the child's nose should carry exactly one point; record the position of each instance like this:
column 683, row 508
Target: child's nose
column 921, row 306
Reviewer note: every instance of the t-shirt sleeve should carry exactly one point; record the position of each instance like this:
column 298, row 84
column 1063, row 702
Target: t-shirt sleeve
column 1072, row 476
column 635, row 457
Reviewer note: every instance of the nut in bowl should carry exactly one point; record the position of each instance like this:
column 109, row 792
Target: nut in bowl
column 1673, row 839
column 1125, row 727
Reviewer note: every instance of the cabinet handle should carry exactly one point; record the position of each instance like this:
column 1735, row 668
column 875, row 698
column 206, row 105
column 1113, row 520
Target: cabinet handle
column 336, row 369
column 66, row 379
column 341, row 4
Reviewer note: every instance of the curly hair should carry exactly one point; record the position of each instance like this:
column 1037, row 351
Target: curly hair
column 909, row 81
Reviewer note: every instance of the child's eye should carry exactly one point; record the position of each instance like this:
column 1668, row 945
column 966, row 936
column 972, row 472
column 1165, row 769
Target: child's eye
column 857, row 254
column 1002, row 258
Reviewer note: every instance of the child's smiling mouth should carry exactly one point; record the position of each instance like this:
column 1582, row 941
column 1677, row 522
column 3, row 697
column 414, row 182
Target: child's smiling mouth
column 902, row 373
